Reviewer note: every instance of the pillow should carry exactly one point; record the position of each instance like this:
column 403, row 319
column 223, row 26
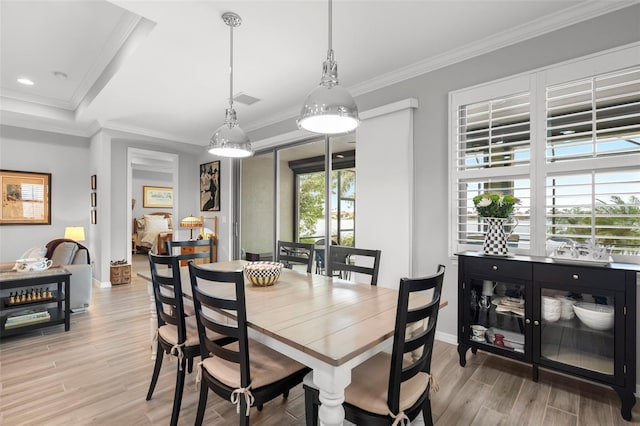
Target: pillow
column 170, row 221
column 140, row 224
column 64, row 253
column 158, row 223
column 35, row 252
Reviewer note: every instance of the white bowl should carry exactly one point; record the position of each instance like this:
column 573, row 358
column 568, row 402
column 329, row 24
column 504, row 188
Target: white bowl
column 596, row 316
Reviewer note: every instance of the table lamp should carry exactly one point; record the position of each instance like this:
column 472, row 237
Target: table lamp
column 75, row 233
column 191, row 222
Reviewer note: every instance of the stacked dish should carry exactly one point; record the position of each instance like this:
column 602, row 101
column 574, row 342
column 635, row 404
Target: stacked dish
column 566, row 310
column 551, row 308
column 509, row 304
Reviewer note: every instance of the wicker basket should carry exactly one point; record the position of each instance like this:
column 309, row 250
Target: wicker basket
column 262, row 273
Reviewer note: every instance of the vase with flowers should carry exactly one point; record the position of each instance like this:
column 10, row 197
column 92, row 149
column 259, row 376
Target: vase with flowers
column 496, row 210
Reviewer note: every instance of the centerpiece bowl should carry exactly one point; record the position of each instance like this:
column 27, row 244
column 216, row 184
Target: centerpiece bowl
column 262, row 273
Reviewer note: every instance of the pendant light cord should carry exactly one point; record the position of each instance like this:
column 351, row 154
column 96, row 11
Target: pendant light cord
column 330, row 25
column 231, row 67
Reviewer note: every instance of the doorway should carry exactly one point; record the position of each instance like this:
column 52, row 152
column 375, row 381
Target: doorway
column 150, row 163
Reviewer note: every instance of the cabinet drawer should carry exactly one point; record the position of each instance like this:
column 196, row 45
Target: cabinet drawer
column 577, row 275
column 498, row 268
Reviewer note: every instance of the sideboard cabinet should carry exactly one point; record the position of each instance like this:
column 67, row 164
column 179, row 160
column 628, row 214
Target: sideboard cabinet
column 524, row 308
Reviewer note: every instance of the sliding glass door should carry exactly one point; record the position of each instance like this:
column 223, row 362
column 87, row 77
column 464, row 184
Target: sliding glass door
column 283, row 196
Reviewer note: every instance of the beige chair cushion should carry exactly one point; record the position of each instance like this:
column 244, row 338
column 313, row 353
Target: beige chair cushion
column 266, row 366
column 169, row 332
column 370, row 382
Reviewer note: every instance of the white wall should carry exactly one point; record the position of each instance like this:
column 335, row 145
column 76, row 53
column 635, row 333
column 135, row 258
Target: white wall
column 67, row 159
column 142, row 178
column 384, row 188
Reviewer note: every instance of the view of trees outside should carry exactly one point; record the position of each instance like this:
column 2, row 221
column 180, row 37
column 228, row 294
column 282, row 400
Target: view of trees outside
column 311, row 206
column 617, row 224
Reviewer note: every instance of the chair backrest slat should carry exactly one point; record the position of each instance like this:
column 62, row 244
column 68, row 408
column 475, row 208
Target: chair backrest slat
column 421, row 339
column 216, row 296
column 290, row 252
column 339, row 261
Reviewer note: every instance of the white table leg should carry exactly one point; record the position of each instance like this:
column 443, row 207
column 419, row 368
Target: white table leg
column 153, row 320
column 332, row 383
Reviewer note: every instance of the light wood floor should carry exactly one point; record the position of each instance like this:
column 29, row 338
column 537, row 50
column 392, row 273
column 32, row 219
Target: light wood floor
column 98, row 373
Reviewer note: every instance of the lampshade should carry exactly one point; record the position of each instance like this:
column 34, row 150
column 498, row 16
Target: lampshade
column 229, row 140
column 329, row 108
column 75, row 233
column 191, row 222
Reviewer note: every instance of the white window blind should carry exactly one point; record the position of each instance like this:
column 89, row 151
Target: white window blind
column 494, row 133
column 569, row 150
column 594, row 117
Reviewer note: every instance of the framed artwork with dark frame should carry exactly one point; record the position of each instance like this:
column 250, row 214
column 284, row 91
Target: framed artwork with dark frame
column 94, row 183
column 26, row 198
column 94, row 216
column 210, row 186
column 94, row 199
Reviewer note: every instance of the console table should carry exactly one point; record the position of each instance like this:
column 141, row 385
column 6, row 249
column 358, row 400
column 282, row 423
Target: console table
column 14, row 280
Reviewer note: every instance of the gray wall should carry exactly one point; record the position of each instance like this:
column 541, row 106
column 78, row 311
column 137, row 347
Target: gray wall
column 67, row 159
column 431, row 125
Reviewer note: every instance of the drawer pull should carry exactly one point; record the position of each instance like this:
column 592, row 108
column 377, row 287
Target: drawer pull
column 494, row 267
column 536, row 323
column 575, row 276
column 528, row 321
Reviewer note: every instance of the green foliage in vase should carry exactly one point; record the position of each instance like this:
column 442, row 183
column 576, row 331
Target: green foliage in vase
column 495, row 205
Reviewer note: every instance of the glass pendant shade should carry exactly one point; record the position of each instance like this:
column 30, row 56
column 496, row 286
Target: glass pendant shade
column 329, row 109
column 229, row 140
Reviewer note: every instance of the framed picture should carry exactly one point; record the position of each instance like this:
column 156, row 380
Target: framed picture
column 94, row 184
column 210, row 187
column 94, row 216
column 94, row 200
column 157, row 197
column 26, row 198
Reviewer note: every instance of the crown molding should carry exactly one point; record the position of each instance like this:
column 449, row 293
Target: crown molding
column 536, row 28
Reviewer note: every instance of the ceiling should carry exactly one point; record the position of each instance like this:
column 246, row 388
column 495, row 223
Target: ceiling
column 160, row 69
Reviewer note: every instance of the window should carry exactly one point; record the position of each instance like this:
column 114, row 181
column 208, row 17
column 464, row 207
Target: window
column 566, row 143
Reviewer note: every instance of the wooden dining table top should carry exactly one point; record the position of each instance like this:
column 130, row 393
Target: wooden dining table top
column 330, row 319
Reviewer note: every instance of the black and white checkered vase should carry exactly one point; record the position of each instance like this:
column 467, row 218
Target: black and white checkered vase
column 495, row 240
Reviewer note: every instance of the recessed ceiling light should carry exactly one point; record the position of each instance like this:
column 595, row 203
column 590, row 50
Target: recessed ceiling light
column 25, row 81
column 60, row 75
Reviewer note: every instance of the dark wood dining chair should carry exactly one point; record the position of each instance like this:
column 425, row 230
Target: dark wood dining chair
column 341, row 262
column 245, row 371
column 192, row 251
column 291, row 253
column 394, row 385
column 176, row 333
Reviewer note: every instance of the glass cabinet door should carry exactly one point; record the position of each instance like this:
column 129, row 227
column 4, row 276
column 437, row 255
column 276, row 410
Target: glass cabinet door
column 497, row 315
column 577, row 329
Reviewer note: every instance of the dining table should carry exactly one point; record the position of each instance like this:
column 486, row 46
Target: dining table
column 326, row 323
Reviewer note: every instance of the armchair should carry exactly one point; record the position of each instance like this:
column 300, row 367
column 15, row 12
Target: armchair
column 74, row 257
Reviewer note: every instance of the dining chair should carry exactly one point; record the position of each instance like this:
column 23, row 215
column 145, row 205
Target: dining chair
column 341, row 262
column 290, row 253
column 393, row 388
column 191, row 250
column 245, row 372
column 176, row 334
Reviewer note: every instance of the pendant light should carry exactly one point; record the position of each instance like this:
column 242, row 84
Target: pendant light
column 329, row 108
column 230, row 140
